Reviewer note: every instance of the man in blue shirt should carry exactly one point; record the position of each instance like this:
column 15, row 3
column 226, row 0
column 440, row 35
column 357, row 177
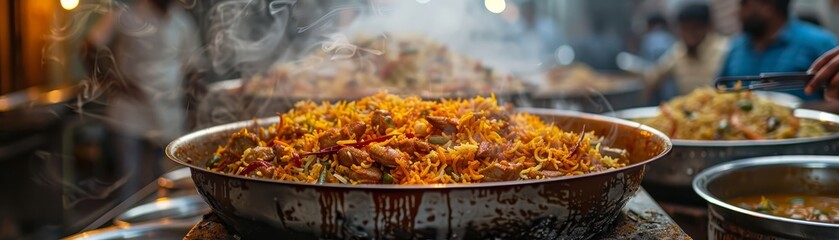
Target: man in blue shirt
column 772, row 42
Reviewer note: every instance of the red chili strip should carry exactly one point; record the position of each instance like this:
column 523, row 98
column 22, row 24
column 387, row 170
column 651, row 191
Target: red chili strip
column 223, row 164
column 579, row 142
column 295, row 159
column 254, row 165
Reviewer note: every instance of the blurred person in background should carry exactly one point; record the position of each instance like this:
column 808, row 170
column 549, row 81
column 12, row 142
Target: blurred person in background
column 607, row 27
column 695, row 58
column 773, row 42
column 153, row 44
column 657, row 39
column 540, row 32
column 655, row 42
column 810, row 17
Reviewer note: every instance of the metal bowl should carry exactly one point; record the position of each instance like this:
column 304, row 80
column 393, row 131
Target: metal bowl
column 185, row 208
column 159, row 230
column 674, row 173
column 575, row 207
column 810, row 175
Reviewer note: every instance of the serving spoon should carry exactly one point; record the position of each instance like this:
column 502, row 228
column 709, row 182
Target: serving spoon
column 764, row 81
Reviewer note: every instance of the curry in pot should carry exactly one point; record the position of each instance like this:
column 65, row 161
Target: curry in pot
column 801, row 207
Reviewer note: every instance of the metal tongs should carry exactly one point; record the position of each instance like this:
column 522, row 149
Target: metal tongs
column 764, row 81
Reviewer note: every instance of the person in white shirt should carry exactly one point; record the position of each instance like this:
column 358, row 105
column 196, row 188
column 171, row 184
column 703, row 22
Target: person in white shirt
column 153, row 43
column 695, row 59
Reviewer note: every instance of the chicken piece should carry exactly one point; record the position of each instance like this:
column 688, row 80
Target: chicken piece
column 413, row 145
column 501, row 171
column 354, row 130
column 280, row 151
column 240, row 141
column 329, row 138
column 445, row 124
column 386, row 156
column 370, row 175
column 381, row 121
column 349, row 156
column 486, row 150
column 491, row 151
column 265, row 154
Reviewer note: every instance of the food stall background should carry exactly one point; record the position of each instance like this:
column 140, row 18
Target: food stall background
column 54, row 139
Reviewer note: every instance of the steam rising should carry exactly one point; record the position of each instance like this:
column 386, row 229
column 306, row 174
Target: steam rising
column 254, row 37
column 247, row 33
column 249, row 38
column 464, row 26
column 74, row 193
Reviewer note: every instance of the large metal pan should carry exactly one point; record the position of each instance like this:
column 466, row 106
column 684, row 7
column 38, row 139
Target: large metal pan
column 575, row 207
column 800, row 175
column 626, row 91
column 674, row 173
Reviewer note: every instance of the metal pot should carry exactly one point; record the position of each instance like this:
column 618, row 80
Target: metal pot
column 626, row 92
column 670, row 178
column 187, row 208
column 576, row 207
column 159, row 230
column 806, row 175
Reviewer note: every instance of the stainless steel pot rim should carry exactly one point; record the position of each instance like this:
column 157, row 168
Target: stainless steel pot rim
column 241, row 124
column 801, row 113
column 168, row 179
column 177, row 174
column 576, row 93
column 136, row 229
column 702, row 179
column 188, row 201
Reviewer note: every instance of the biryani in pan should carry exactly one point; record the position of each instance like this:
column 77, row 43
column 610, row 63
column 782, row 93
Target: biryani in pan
column 386, row 139
column 706, row 114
